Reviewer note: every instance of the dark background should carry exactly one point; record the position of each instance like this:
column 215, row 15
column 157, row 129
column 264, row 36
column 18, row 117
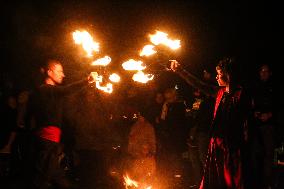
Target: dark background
column 35, row 30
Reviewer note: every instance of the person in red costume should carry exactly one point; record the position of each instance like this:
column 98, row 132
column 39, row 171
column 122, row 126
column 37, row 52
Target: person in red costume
column 223, row 168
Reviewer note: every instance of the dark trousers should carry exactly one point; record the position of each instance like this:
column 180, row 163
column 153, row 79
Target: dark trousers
column 262, row 155
column 46, row 171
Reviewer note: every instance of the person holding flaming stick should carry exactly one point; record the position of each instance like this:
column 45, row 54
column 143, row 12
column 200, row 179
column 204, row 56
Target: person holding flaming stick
column 224, row 166
column 47, row 112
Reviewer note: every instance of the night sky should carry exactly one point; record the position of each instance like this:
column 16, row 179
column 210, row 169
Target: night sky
column 35, row 30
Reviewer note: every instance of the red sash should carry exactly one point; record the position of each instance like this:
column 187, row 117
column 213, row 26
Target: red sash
column 51, row 133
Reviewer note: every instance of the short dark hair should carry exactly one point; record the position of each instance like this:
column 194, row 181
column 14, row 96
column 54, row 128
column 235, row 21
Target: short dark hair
column 51, row 62
column 48, row 64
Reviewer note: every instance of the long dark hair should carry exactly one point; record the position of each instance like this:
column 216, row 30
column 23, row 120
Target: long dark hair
column 229, row 67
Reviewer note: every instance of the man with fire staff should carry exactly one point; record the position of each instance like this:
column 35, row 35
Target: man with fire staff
column 47, row 113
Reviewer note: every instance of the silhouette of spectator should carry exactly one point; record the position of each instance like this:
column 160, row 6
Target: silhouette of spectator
column 201, row 114
column 263, row 130
column 7, row 133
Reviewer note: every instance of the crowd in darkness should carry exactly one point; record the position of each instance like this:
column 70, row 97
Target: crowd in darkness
column 148, row 133
column 191, row 127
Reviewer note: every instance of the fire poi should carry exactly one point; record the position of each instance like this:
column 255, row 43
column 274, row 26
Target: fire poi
column 84, row 39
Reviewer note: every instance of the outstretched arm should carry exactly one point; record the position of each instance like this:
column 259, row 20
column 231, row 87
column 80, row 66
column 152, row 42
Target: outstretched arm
column 67, row 89
column 192, row 80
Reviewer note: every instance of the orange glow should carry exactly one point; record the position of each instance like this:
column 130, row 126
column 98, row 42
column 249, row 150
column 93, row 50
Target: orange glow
column 114, row 77
column 132, row 183
column 128, row 182
column 173, row 44
column 108, row 88
column 102, row 61
column 86, row 40
column 159, row 38
column 133, row 65
column 98, row 79
column 162, row 38
column 147, row 50
column 141, row 77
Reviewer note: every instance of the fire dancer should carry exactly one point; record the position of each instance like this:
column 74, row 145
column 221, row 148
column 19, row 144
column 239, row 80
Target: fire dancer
column 223, row 167
column 47, row 110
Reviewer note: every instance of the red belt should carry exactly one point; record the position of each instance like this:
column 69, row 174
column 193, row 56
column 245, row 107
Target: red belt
column 51, row 133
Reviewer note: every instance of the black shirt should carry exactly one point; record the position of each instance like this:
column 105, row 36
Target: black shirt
column 47, row 103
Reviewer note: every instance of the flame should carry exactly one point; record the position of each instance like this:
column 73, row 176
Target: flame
column 114, row 77
column 133, row 65
column 173, row 44
column 102, row 61
column 159, row 38
column 141, row 77
column 147, row 50
column 98, row 79
column 132, row 183
column 86, row 40
column 128, row 182
column 94, row 76
column 108, row 88
column 162, row 38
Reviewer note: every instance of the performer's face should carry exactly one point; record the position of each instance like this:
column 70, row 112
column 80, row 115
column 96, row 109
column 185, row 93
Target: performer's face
column 221, row 78
column 56, row 73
